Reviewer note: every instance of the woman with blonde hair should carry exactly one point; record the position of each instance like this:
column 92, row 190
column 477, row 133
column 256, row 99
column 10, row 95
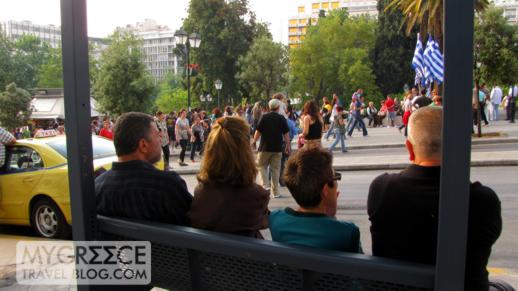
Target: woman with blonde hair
column 312, row 124
column 227, row 199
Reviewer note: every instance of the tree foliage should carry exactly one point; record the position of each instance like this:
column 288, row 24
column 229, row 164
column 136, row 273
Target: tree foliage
column 393, row 52
column 15, row 103
column 264, row 68
column 172, row 95
column 227, row 30
column 122, row 83
column 427, row 14
column 496, row 48
column 335, row 57
column 50, row 74
column 20, row 60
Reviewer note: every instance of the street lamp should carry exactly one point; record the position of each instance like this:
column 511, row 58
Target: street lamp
column 194, row 41
column 206, row 98
column 218, row 85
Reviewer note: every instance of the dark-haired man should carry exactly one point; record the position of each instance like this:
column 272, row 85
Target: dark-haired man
column 403, row 208
column 312, row 182
column 134, row 188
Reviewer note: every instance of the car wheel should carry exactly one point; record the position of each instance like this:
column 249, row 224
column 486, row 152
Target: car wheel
column 48, row 220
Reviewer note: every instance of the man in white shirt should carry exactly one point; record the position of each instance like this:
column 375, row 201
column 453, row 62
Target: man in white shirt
column 496, row 99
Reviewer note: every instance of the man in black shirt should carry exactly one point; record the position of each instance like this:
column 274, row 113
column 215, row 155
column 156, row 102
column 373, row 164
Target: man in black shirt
column 422, row 100
column 271, row 129
column 134, row 188
column 403, row 207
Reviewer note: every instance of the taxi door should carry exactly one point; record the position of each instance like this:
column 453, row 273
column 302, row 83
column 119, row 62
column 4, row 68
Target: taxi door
column 21, row 172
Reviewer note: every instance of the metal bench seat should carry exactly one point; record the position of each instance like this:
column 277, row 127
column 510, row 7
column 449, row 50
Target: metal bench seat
column 185, row 258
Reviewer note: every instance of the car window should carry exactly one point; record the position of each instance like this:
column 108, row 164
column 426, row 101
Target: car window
column 24, row 159
column 102, row 148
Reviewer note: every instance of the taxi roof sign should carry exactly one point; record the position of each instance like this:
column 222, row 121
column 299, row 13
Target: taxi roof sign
column 45, row 133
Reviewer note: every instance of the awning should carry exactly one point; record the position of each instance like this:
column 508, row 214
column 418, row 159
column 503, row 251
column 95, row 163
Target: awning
column 54, row 107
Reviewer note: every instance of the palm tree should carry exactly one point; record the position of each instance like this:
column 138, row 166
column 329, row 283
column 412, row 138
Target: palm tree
column 428, row 14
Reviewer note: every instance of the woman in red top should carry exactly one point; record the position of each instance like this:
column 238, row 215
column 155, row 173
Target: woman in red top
column 106, row 131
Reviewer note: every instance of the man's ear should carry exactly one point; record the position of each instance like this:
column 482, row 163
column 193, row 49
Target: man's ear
column 143, row 146
column 410, row 149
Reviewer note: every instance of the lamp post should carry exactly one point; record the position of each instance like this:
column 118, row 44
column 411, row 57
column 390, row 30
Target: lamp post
column 218, row 85
column 207, row 99
column 194, row 41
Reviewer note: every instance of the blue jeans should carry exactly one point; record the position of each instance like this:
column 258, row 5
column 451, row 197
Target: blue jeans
column 495, row 111
column 330, row 130
column 357, row 121
column 341, row 137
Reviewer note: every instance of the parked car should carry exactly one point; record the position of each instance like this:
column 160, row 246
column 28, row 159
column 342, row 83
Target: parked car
column 34, row 186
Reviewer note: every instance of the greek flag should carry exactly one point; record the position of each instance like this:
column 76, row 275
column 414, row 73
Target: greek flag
column 417, row 61
column 437, row 63
column 428, row 74
column 433, row 61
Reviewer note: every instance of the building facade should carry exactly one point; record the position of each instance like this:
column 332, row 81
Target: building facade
column 158, row 48
column 510, row 9
column 48, row 33
column 307, row 14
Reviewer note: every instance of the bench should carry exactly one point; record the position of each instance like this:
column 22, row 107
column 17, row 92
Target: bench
column 185, row 258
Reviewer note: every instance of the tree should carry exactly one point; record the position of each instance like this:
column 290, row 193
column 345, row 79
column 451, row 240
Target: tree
column 427, row 14
column 21, row 60
column 496, row 48
column 393, row 52
column 321, row 65
column 172, row 95
column 264, row 67
column 16, row 109
column 122, row 83
column 227, row 30
column 50, row 74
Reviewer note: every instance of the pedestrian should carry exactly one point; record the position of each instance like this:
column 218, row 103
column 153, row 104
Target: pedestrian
column 382, row 113
column 496, row 99
column 257, row 112
column 339, row 128
column 183, row 131
column 227, row 198
column 106, row 131
column 171, row 123
column 272, row 128
column 357, row 119
column 6, row 138
column 196, row 136
column 312, row 124
column 162, row 127
column 389, row 102
column 372, row 115
column 513, row 93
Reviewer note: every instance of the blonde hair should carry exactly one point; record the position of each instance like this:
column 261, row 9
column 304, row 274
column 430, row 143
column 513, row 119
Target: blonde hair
column 228, row 157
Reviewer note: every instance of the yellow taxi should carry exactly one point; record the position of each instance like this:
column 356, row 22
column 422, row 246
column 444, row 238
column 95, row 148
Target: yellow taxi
column 34, row 182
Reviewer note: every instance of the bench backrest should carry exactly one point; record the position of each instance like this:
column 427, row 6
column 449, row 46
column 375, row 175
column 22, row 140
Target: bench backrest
column 185, row 258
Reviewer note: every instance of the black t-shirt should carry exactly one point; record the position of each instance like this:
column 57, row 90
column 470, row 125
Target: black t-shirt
column 422, row 101
column 272, row 127
column 403, row 210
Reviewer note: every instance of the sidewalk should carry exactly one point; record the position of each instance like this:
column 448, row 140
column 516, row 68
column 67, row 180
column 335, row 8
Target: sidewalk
column 384, row 138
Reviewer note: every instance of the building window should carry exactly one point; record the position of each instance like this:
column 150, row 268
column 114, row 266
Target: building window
column 325, row 5
column 335, row 5
column 302, row 9
column 315, row 6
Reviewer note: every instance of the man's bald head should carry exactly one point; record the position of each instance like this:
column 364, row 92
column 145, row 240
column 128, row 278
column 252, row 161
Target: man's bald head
column 425, row 132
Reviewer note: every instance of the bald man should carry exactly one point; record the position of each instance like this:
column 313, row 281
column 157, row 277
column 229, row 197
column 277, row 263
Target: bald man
column 403, row 207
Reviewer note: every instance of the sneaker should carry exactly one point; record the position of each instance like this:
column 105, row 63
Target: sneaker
column 276, row 196
column 183, row 164
column 345, row 151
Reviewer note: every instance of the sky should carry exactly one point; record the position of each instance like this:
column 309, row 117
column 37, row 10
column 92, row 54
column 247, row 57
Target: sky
column 105, row 15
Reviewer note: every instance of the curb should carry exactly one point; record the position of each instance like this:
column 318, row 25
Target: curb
column 394, row 166
column 400, row 145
